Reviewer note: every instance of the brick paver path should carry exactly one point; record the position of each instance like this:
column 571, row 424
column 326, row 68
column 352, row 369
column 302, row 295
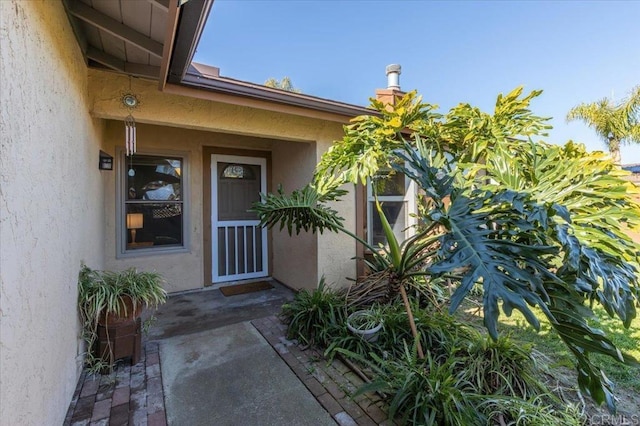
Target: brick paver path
column 133, row 395
column 332, row 384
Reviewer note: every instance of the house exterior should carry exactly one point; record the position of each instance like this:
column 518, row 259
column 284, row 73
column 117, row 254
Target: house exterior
column 205, row 146
column 634, row 169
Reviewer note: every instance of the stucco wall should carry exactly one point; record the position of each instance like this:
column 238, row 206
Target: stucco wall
column 333, row 263
column 168, row 121
column 51, row 209
column 106, row 89
column 294, row 260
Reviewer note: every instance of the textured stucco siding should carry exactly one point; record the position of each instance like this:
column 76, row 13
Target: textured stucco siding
column 293, row 260
column 51, row 209
column 182, row 271
column 294, row 257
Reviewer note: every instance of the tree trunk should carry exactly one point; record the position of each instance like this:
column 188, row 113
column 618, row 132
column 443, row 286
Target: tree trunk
column 412, row 323
column 614, row 149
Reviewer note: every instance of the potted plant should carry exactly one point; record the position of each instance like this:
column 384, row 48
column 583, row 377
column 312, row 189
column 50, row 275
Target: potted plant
column 366, row 323
column 108, row 300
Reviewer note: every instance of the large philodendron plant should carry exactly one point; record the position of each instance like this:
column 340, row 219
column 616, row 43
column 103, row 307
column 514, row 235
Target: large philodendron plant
column 533, row 224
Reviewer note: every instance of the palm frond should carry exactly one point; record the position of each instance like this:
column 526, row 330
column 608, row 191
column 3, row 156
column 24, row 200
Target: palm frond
column 301, row 210
column 613, row 123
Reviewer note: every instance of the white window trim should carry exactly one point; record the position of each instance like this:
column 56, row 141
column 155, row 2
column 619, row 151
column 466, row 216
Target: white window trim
column 409, row 198
column 120, row 205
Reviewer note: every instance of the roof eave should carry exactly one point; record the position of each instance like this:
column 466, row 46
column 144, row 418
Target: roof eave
column 193, row 16
column 170, row 35
column 194, row 79
column 180, row 71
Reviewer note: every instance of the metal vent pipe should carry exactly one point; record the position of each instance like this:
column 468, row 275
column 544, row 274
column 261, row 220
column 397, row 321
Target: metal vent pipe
column 393, row 76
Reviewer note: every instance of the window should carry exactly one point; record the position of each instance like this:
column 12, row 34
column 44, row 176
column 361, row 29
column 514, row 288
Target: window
column 152, row 203
column 238, row 171
column 395, row 194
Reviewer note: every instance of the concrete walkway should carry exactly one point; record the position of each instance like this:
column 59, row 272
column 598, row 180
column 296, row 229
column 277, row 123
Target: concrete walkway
column 232, row 376
column 211, row 360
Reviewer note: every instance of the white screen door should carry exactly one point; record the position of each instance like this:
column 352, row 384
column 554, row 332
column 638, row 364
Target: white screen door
column 239, row 245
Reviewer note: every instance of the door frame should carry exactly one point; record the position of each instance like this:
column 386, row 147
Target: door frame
column 241, row 159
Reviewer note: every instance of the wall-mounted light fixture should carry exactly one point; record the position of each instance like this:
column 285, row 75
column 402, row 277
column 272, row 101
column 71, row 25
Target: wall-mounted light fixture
column 106, row 161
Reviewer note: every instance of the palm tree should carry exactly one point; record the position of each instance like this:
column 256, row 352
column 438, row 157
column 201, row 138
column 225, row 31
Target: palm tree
column 284, row 84
column 614, row 123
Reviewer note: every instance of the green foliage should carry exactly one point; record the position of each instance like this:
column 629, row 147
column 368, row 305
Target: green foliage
column 312, row 316
column 547, row 233
column 530, row 223
column 425, row 392
column 303, row 209
column 284, row 84
column 402, row 260
column 614, row 123
column 462, row 380
column 102, row 292
column 343, row 341
column 465, row 378
column 532, row 412
column 500, row 367
column 370, row 140
column 105, row 291
column 469, row 134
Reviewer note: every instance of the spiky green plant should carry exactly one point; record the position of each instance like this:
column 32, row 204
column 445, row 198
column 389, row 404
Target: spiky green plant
column 529, row 412
column 108, row 292
column 531, row 223
column 312, row 316
column 501, row 367
column 424, row 391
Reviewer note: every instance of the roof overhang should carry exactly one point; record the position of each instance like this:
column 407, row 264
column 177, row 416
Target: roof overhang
column 157, row 39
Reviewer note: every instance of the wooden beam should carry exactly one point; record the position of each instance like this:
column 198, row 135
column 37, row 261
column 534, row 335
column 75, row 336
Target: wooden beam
column 111, row 62
column 160, row 4
column 115, row 28
column 170, row 34
column 142, row 70
column 193, row 16
column 105, row 59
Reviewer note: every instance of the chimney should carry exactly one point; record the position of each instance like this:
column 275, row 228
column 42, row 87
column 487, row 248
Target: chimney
column 392, row 92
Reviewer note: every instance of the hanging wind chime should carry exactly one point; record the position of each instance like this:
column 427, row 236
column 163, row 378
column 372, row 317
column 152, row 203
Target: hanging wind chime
column 130, row 102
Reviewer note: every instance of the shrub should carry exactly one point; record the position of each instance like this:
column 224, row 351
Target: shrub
column 425, row 391
column 314, row 316
column 500, row 367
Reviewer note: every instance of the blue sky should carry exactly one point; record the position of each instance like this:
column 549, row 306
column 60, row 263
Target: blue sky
column 451, row 52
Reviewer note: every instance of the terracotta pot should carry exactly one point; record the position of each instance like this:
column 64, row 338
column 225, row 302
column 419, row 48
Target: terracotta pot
column 132, row 313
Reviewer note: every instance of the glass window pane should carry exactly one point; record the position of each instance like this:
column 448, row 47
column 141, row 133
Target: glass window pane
column 395, row 212
column 151, row 177
column 237, row 195
column 153, row 224
column 385, row 184
column 238, row 171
